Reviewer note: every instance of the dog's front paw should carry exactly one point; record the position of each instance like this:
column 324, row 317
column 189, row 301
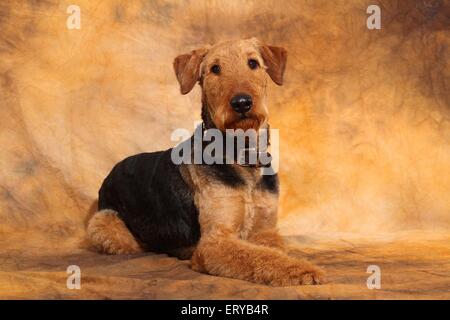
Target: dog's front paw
column 314, row 277
column 300, row 274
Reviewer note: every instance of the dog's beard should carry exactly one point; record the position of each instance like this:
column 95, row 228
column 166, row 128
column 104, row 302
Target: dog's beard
column 250, row 120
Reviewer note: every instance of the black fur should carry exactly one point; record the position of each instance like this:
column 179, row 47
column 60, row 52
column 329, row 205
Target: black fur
column 227, row 175
column 151, row 197
column 269, row 183
column 153, row 200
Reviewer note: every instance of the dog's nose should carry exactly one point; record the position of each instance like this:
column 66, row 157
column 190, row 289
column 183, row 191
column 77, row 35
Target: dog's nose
column 241, row 103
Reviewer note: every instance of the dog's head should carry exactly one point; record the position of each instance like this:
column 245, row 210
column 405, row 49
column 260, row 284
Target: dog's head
column 233, row 76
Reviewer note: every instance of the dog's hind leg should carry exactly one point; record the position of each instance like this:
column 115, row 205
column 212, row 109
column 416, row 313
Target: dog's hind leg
column 109, row 234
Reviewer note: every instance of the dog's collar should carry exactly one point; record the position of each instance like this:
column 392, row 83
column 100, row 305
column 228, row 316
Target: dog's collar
column 243, row 156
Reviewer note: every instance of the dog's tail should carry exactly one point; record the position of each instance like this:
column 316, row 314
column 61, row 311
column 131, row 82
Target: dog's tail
column 109, row 234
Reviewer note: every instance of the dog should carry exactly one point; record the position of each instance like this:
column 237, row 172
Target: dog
column 220, row 216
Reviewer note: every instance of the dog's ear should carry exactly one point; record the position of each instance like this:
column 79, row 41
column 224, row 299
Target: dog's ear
column 275, row 60
column 187, row 69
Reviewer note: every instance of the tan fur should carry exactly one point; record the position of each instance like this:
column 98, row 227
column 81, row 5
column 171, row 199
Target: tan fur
column 108, row 234
column 229, row 256
column 239, row 237
column 268, row 238
column 235, row 77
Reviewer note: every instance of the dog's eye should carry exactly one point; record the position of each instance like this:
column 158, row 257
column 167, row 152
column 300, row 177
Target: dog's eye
column 215, row 69
column 253, row 64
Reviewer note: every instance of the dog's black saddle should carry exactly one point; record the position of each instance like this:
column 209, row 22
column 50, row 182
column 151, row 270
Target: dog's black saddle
column 153, row 200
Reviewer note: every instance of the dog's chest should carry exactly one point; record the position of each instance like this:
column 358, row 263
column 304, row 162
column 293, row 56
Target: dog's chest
column 237, row 199
column 251, row 195
column 248, row 218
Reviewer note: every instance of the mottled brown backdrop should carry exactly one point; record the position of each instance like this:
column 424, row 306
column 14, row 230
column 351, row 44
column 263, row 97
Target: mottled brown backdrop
column 364, row 119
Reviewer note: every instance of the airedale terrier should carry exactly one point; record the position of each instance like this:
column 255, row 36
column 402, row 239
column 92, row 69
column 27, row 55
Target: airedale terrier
column 221, row 216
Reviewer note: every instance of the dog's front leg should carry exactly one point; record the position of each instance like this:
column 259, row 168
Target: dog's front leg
column 228, row 256
column 268, row 238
